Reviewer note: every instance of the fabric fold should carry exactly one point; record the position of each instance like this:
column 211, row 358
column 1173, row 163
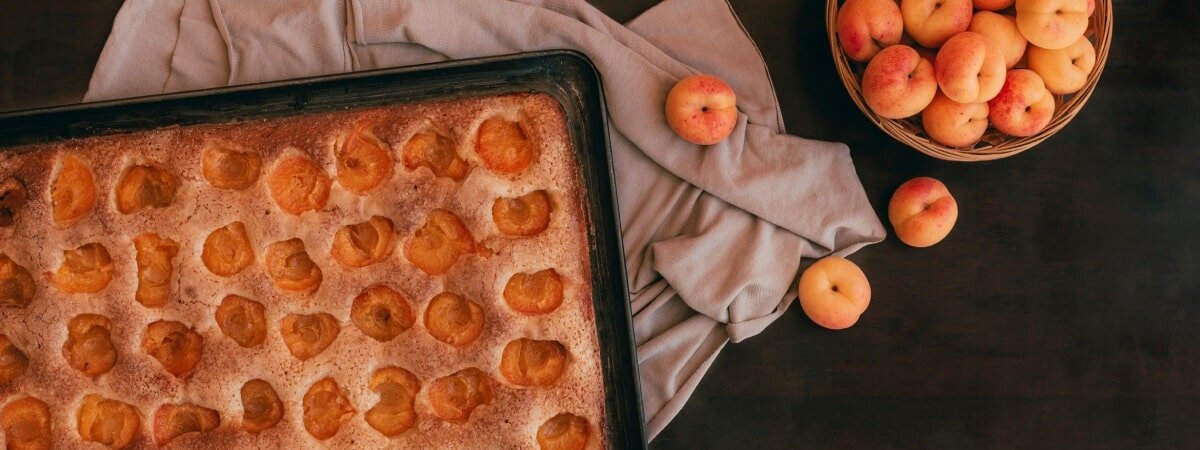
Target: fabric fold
column 713, row 236
column 143, row 38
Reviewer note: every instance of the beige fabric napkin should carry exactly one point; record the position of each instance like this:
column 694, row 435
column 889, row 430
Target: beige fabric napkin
column 713, row 236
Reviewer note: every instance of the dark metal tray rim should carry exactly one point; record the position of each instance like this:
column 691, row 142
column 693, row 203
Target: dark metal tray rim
column 625, row 423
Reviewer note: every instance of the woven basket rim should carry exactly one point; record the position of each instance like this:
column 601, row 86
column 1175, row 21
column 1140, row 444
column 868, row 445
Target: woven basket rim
column 1100, row 27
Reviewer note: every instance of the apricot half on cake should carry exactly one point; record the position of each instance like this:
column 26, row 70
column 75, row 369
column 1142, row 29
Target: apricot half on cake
column 154, row 255
column 261, row 407
column 534, row 293
column 226, row 168
column 145, row 186
column 173, row 345
column 243, row 320
column 526, row 215
column 297, row 185
column 290, row 268
column 13, row 361
column 26, row 424
column 73, row 191
column 452, row 319
column 12, row 200
column 438, row 244
column 455, row 396
column 435, row 151
column 227, row 250
column 16, row 284
column 564, row 431
column 381, row 313
column 86, row 269
column 112, row 423
column 394, row 413
column 307, row 335
column 363, row 161
column 326, row 408
column 504, row 146
column 89, row 347
column 174, row 420
column 363, row 244
column 529, row 362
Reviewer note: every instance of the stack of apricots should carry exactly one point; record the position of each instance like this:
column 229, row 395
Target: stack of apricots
column 965, row 65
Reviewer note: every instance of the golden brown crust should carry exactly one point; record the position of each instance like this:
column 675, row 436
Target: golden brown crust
column 534, row 293
column 452, row 319
column 17, row 287
column 174, row 420
column 13, row 361
column 394, row 413
column 227, row 250
column 261, row 406
column 381, row 313
column 510, row 420
column 109, row 422
column 154, row 268
column 298, row 185
column 12, row 200
column 564, row 431
column 85, row 270
column 530, row 362
column 228, row 168
column 290, row 267
column 326, row 408
column 363, row 161
column 307, row 335
column 454, row 397
column 364, row 243
column 434, row 150
column 26, row 424
column 174, row 345
column 243, row 320
column 145, row 186
column 73, row 193
column 89, row 347
column 504, row 146
column 439, row 243
column 526, row 215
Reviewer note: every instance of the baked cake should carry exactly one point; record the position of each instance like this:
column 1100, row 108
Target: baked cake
column 411, row 276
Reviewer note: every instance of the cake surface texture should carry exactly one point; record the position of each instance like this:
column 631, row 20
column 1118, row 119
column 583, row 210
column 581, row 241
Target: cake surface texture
column 403, row 276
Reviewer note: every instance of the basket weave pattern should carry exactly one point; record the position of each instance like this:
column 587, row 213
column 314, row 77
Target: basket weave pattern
column 994, row 145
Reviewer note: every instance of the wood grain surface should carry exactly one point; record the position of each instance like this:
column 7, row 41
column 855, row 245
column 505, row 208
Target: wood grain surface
column 1062, row 312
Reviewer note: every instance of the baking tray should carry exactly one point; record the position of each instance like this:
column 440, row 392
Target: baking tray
column 567, row 76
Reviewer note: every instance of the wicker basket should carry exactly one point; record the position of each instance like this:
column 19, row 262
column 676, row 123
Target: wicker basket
column 994, row 145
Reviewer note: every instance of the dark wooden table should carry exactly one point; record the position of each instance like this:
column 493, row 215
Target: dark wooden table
column 1062, row 312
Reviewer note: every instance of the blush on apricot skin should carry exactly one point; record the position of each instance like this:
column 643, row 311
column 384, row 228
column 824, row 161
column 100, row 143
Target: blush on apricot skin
column 970, row 68
column 702, row 109
column 898, row 83
column 922, row 212
column 864, row 27
column 1024, row 106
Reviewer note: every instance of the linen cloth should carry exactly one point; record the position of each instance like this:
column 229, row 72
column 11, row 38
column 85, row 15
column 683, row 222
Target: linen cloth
column 713, row 236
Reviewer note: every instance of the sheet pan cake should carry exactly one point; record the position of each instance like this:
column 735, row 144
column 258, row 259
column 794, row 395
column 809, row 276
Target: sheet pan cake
column 412, row 276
